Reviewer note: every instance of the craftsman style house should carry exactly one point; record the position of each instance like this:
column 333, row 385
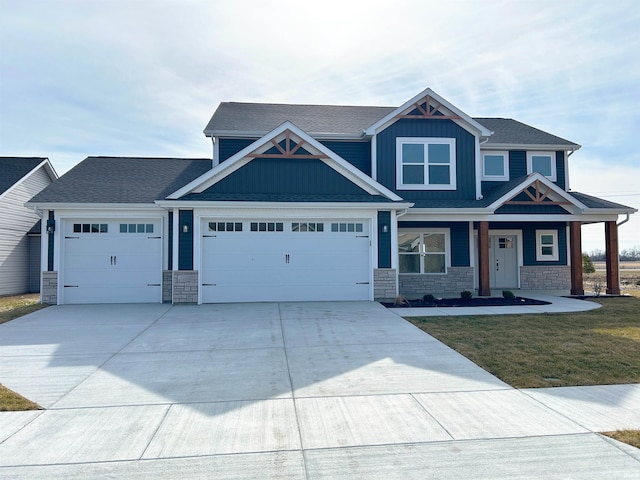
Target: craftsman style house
column 316, row 202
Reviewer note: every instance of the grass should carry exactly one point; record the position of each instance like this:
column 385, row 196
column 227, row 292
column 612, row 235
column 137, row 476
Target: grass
column 599, row 347
column 631, row 437
column 10, row 309
column 19, row 305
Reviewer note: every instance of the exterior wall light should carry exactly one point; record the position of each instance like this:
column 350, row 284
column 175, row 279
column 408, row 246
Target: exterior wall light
column 185, row 228
column 51, row 226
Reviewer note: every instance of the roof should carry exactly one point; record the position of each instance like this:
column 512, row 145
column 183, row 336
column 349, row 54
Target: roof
column 256, row 119
column 595, row 202
column 260, row 118
column 507, row 131
column 286, row 197
column 122, row 180
column 12, row 169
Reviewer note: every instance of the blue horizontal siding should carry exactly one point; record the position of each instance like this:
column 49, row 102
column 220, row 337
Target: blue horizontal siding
column 465, row 155
column 459, row 235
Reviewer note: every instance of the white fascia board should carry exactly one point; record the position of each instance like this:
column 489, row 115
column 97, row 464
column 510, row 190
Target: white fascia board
column 448, row 211
column 617, row 211
column 528, row 146
column 244, row 156
column 532, row 177
column 283, row 205
column 520, row 218
column 114, row 207
column 476, row 127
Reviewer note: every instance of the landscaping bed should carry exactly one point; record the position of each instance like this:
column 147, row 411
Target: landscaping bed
column 465, row 302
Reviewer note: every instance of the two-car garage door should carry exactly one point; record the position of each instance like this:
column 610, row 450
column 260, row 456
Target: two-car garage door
column 285, row 260
column 112, row 261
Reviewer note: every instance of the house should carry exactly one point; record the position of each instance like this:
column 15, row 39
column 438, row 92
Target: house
column 20, row 179
column 322, row 202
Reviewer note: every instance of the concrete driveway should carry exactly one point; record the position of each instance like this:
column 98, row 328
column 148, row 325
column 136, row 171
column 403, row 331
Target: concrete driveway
column 272, row 390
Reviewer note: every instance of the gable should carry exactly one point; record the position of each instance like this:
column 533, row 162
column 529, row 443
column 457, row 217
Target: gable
column 13, row 169
column 285, row 161
column 428, row 105
column 535, row 194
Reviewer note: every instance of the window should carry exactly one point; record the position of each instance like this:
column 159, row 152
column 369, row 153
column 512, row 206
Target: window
column 90, row 228
column 543, row 163
column 267, row 226
column 547, row 245
column 495, row 166
column 225, row 226
column 347, row 227
column 425, row 163
column 423, row 252
column 136, row 228
column 307, row 227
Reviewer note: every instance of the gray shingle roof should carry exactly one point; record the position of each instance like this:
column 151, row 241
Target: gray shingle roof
column 595, row 202
column 313, row 119
column 260, row 118
column 13, row 169
column 509, row 131
column 122, row 180
column 286, row 197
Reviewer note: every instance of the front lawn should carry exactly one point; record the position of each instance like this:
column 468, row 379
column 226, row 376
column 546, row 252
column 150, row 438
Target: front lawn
column 599, row 347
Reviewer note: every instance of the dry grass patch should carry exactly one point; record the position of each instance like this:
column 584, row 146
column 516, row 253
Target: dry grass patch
column 19, row 305
column 631, row 437
column 599, row 347
column 11, row 401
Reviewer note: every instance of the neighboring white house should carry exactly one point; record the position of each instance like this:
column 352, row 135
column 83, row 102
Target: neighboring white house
column 20, row 179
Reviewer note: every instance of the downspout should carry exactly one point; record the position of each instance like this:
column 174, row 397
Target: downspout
column 478, row 165
column 624, row 221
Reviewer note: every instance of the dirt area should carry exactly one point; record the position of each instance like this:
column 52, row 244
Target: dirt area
column 629, row 278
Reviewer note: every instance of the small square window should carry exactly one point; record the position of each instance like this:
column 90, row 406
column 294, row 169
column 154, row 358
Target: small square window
column 104, row 228
column 254, row 226
column 495, row 166
column 262, row 226
column 279, row 227
column 319, row 227
column 238, row 226
column 123, row 228
column 132, row 228
column 77, row 228
column 86, row 228
column 141, row 228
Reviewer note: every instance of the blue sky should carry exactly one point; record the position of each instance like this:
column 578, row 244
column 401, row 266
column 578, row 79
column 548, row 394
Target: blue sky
column 142, row 77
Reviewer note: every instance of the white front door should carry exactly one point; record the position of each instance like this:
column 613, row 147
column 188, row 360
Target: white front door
column 112, row 261
column 285, row 260
column 503, row 261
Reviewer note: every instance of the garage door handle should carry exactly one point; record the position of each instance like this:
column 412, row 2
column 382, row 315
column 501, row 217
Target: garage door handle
column 115, row 260
column 362, row 283
column 71, row 237
column 111, row 259
column 153, row 284
column 71, row 286
column 287, row 258
column 154, row 237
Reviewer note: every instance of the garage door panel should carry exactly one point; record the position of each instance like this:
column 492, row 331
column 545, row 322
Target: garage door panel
column 286, row 265
column 115, row 263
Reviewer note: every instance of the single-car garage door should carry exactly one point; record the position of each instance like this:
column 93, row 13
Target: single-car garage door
column 285, row 260
column 112, row 261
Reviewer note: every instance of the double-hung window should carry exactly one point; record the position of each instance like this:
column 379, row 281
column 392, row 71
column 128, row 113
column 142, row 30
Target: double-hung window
column 547, row 246
column 542, row 162
column 425, row 163
column 495, row 166
column 423, row 251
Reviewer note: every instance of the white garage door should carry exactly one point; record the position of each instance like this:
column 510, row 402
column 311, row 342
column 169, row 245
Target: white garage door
column 284, row 260
column 112, row 261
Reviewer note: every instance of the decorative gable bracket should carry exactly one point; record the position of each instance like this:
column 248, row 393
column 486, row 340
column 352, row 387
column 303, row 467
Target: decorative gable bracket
column 538, row 193
column 430, row 109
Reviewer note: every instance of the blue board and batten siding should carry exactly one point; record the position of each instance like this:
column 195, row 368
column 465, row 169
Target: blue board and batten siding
column 185, row 240
column 285, row 176
column 357, row 154
column 384, row 240
column 529, row 239
column 465, row 155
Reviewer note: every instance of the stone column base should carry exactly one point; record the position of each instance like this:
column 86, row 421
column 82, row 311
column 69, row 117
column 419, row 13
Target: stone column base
column 185, row 286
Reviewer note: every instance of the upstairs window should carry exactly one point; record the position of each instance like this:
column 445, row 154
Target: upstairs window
column 495, row 166
column 425, row 163
column 543, row 163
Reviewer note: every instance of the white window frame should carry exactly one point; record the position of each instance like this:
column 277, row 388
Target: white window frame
column 541, row 257
column 552, row 155
column 505, row 165
column 400, row 141
column 423, row 231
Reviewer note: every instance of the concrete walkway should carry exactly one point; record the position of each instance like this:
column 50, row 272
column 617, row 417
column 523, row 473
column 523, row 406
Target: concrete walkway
column 289, row 390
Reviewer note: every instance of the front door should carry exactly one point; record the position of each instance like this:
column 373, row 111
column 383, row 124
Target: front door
column 503, row 261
